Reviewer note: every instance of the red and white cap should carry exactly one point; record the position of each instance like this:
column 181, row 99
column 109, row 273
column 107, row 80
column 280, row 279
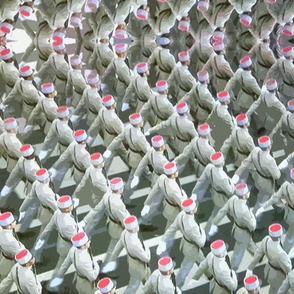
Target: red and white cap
column 275, row 230
column 121, row 34
column 142, row 14
column 6, row 219
column 105, row 285
column 23, row 257
column 165, row 264
column 217, row 158
column 121, row 48
column 80, row 239
column 202, row 6
column 26, row 150
column 64, row 202
column 241, row 189
column 62, row 111
column 188, row 205
column 241, row 119
column 270, row 1
column 5, row 28
column 42, row 174
column 271, row 84
column 10, row 123
column 218, row 46
column 25, row 12
column 76, row 60
column 6, row 54
column 131, row 223
column 202, row 76
column 223, row 96
column 157, row 141
column 26, row 71
column 92, row 78
column 58, row 38
column 142, row 67
column 91, row 6
column 288, row 51
column 161, row 86
column 290, row 105
column 135, row 118
column 245, row 20
column 287, row 32
column 161, row 0
column 80, row 135
column 47, row 88
column 108, row 100
column 182, row 108
column 245, row 61
column 116, row 184
column 251, row 283
column 264, row 141
column 218, row 247
column 97, row 158
column 292, row 173
column 170, row 168
column 76, row 22
column 184, row 56
column 218, row 35
column 184, row 25
column 204, row 129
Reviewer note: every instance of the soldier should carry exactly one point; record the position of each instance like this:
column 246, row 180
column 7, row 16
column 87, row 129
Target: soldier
column 168, row 187
column 244, row 223
column 10, row 144
column 288, row 284
column 240, row 140
column 221, row 188
column 86, row 270
column 9, row 243
column 199, row 151
column 105, row 286
column 218, row 263
column 60, row 134
column 23, row 274
column 279, row 263
column 66, row 225
column 113, row 206
column 138, row 255
column 193, row 240
column 162, row 280
column 158, row 108
column 251, row 286
column 181, row 130
column 263, row 169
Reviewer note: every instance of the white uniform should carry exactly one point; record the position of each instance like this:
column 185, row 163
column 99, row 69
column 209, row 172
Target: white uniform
column 9, row 74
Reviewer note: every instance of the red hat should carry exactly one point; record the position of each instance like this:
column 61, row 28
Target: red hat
column 217, row 158
column 131, row 223
column 271, row 84
column 76, row 60
column 290, row 105
column 202, row 6
column 42, row 174
column 105, row 285
column 170, row 168
column 188, row 205
column 5, row 28
column 241, row 189
column 162, row 86
column 264, row 142
column 182, row 108
column 26, row 71
column 142, row 67
column 27, row 150
column 79, row 239
column 121, row 47
column 218, row 247
column 6, row 54
column 184, row 25
column 25, row 12
column 23, row 257
column 202, row 75
column 165, row 264
column 64, row 202
column 241, row 119
column 204, row 129
column 10, row 123
column 108, row 101
column 245, row 61
column 275, row 230
column 288, row 51
column 80, row 135
column 142, row 13
column 116, row 184
column 62, row 111
column 47, row 88
column 157, row 141
column 135, row 118
column 97, row 158
column 287, row 32
column 184, row 56
column 223, row 96
column 245, row 20
column 251, row 283
column 218, row 46
column 6, row 219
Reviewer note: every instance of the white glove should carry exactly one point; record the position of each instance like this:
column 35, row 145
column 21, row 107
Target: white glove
column 161, row 248
column 107, row 154
column 68, row 101
column 76, row 202
column 27, row 129
column 89, row 140
column 2, row 107
column 5, row 191
column 147, row 133
column 81, row 224
column 259, row 211
column 42, row 155
column 235, row 179
column 134, row 182
column 248, row 273
column 74, row 118
column 52, row 172
column 213, row 230
column 37, row 80
column 125, row 106
column 39, row 244
column 109, row 267
column 194, row 197
column 21, row 215
column 55, row 282
column 283, row 164
column 145, row 210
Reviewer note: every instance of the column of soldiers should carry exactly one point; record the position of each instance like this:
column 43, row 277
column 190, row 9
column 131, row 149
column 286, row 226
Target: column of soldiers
column 161, row 119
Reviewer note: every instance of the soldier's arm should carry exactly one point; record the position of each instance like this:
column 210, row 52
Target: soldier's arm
column 171, row 232
column 254, row 86
column 128, row 97
column 231, row 83
column 118, row 248
column 65, row 265
column 285, row 262
column 11, row 95
column 246, row 164
column 145, row 110
column 94, row 216
column 81, row 104
column 277, row 127
column 156, row 191
column 148, row 287
column 202, row 184
column 51, row 225
column 285, row 287
column 68, row 87
column 90, row 272
column 254, row 106
column 143, row 163
column 6, row 283
column 100, row 183
column 187, row 153
column 228, row 186
column 116, row 142
column 15, row 176
column 276, row 197
column 226, row 146
column 142, row 254
column 274, row 170
column 122, row 212
column 230, row 280
column 64, row 158
column 224, row 211
column 34, row 114
column 161, row 126
column 32, row 195
column 203, row 268
column 198, row 235
column 44, row 67
column 31, row 284
column 250, row 220
column 95, row 126
column 258, row 255
column 85, row 160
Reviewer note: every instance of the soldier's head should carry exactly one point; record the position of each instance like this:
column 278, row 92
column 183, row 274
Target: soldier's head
column 7, row 221
column 203, row 77
column 6, row 55
column 93, row 79
column 189, row 206
column 204, row 131
column 162, row 87
column 58, row 42
column 171, row 170
column 76, row 62
column 184, row 58
column 80, row 137
column 290, row 105
column 288, row 52
column 223, row 97
column 218, row 47
column 166, row 266
column 65, row 204
column 42, row 175
column 81, row 241
column 136, row 120
column 218, row 248
column 164, row 41
column 97, row 160
column 242, row 120
column 275, row 231
column 49, row 90
column 25, row 258
column 131, row 224
column 264, row 143
column 242, row 191
column 106, row 286
column 142, row 12
column 109, row 102
column 26, row 72
column 28, row 152
column 76, row 20
column 251, row 284
column 245, row 62
column 121, row 50
column 10, row 125
column 245, row 19
column 217, row 159
column 271, row 85
column 182, row 109
column 158, row 143
column 63, row 113
column 117, row 185
column 142, row 69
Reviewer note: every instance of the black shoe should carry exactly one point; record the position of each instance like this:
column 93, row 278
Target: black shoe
column 147, row 228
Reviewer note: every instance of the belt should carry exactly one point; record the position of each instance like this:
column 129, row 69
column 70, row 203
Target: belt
column 114, row 221
column 222, row 286
column 49, row 120
column 81, row 171
column 191, row 242
column 183, row 140
column 185, row 90
column 288, row 84
column 63, row 79
column 6, row 257
column 93, row 111
column 268, row 178
column 31, row 182
column 220, row 192
column 243, row 153
column 113, row 134
column 222, row 78
column 243, row 228
column 30, row 104
column 80, row 93
column 164, row 70
column 277, row 268
column 10, row 86
column 62, row 144
column 82, row 277
column 171, row 204
column 290, row 135
column 136, row 151
column 203, row 164
column 11, row 157
column 64, row 239
column 46, row 207
column 291, row 207
column 251, row 94
column 144, row 101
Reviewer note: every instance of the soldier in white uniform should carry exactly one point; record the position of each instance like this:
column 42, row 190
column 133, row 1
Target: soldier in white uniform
column 86, row 269
column 193, row 240
column 9, row 243
column 138, row 254
column 288, row 284
column 217, row 262
column 279, row 263
column 162, row 280
column 9, row 9
column 23, row 274
column 240, row 140
column 251, row 286
column 244, row 223
column 221, row 190
column 10, row 144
